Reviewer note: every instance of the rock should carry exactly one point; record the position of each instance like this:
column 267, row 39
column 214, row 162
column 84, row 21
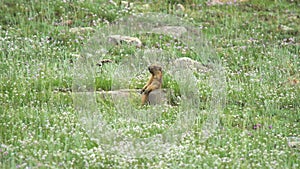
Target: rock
column 126, row 3
column 158, row 97
column 112, row 2
column 64, row 23
column 103, row 61
column 176, row 31
column 79, row 30
column 223, row 2
column 293, row 142
column 285, row 28
column 189, row 63
column 119, row 94
column 293, row 81
column 119, row 39
column 146, row 6
column 129, row 96
column 63, row 90
column 180, row 8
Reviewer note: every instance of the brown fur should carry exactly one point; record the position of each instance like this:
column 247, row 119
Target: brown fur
column 154, row 82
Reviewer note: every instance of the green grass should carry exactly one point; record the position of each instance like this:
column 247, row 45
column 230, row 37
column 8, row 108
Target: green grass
column 40, row 127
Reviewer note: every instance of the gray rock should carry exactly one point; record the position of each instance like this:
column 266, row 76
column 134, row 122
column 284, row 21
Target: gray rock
column 180, row 7
column 293, row 142
column 285, row 28
column 119, row 39
column 116, row 94
column 146, row 6
column 223, row 2
column 79, row 30
column 113, row 2
column 126, row 3
column 158, row 97
column 176, row 31
column 189, row 63
column 129, row 96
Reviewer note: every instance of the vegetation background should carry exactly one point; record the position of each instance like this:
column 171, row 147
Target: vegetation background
column 257, row 41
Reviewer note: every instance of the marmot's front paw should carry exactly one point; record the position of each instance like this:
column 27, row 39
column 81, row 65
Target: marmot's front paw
column 146, row 92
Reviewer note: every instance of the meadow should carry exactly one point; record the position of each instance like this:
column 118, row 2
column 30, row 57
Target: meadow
column 256, row 42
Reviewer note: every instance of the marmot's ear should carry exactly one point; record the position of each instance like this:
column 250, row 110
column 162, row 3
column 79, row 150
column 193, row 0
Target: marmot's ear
column 160, row 69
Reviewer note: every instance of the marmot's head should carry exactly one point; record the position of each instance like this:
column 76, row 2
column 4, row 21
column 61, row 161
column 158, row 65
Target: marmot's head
column 154, row 69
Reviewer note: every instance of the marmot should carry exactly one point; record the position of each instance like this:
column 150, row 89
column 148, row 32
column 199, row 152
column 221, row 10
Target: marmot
column 154, row 82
